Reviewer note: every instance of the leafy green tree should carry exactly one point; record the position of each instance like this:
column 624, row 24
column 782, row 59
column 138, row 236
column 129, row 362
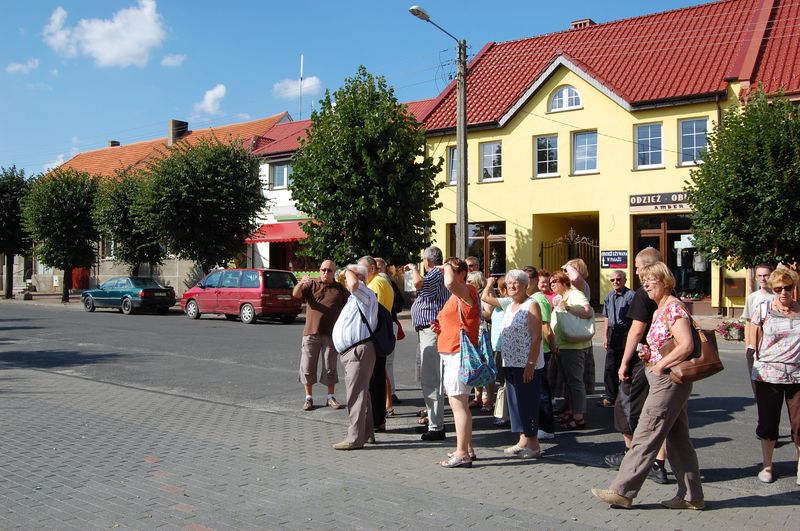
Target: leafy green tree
column 135, row 241
column 746, row 193
column 203, row 199
column 13, row 241
column 363, row 175
column 57, row 214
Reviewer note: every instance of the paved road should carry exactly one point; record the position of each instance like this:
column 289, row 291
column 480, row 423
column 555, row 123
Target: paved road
column 145, row 421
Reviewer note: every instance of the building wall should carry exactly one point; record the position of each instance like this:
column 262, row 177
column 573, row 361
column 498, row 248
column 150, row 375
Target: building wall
column 540, row 209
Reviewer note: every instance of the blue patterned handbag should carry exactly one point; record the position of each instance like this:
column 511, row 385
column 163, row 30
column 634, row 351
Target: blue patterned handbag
column 478, row 368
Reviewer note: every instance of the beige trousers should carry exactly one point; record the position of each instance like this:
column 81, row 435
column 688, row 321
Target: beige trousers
column 358, row 363
column 664, row 417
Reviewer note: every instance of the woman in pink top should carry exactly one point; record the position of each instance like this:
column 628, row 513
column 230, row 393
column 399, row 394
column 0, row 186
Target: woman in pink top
column 664, row 415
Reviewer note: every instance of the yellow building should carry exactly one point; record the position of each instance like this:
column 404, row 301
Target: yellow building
column 580, row 142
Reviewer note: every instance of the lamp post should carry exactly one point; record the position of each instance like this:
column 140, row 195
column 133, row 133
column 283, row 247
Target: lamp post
column 461, row 135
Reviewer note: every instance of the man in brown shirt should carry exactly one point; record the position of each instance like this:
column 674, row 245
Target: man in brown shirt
column 324, row 300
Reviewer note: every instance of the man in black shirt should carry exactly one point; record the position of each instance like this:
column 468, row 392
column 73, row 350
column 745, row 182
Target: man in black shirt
column 633, row 387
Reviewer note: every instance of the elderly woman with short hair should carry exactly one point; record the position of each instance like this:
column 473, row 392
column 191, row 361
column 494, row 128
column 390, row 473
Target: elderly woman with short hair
column 523, row 362
column 776, row 367
column 664, row 414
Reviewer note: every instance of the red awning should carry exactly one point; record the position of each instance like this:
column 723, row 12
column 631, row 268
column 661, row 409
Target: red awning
column 284, row 231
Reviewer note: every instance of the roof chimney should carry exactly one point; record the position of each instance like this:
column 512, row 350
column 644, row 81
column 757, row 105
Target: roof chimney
column 113, row 143
column 582, row 23
column 176, row 130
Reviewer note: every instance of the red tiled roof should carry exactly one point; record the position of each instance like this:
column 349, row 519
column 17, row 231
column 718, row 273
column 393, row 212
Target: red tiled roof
column 779, row 63
column 283, row 138
column 419, row 109
column 107, row 161
column 677, row 54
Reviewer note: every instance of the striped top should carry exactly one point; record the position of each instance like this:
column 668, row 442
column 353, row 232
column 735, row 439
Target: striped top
column 430, row 298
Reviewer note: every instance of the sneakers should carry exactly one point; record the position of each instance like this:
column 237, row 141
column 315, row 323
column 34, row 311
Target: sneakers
column 513, row 450
column 541, row 434
column 308, row 405
column 614, row 460
column 433, row 435
column 613, row 499
column 333, row 404
column 658, row 474
column 344, row 445
column 765, row 476
column 680, row 503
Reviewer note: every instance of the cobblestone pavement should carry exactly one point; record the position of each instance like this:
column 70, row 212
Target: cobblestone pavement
column 78, row 454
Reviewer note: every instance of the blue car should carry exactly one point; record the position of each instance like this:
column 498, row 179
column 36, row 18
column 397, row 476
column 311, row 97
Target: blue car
column 128, row 294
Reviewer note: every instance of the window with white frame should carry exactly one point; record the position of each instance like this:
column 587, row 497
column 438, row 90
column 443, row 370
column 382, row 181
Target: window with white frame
column 491, row 161
column 106, row 249
column 693, row 140
column 546, row 156
column 452, row 165
column 584, row 152
column 648, row 146
column 565, row 98
column 280, row 175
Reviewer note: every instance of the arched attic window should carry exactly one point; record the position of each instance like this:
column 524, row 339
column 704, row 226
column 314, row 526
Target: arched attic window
column 564, row 98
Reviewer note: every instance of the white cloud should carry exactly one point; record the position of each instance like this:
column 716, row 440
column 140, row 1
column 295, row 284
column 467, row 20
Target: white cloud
column 289, row 89
column 211, row 101
column 22, row 68
column 173, row 59
column 58, row 161
column 242, row 116
column 124, row 40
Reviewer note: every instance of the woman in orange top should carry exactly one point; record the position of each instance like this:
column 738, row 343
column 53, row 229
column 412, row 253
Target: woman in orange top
column 462, row 310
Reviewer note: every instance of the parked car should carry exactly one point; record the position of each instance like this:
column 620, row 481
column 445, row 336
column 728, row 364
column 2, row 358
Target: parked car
column 248, row 294
column 127, row 294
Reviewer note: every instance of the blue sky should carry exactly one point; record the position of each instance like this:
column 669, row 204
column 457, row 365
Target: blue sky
column 75, row 74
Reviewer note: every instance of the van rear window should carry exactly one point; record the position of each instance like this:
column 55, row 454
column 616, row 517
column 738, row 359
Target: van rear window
column 279, row 280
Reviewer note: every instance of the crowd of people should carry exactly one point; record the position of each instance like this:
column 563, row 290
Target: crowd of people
column 541, row 328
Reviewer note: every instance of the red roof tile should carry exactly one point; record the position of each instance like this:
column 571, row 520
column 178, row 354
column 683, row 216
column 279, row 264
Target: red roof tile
column 283, row 138
column 107, row 161
column 419, row 109
column 677, row 54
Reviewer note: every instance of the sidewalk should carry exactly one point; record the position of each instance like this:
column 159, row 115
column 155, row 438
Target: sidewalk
column 79, row 454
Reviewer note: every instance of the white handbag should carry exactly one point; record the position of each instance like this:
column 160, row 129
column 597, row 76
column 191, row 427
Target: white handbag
column 572, row 328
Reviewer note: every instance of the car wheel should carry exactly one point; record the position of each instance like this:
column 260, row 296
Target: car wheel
column 247, row 314
column 88, row 303
column 286, row 319
column 192, row 310
column 231, row 316
column 127, row 306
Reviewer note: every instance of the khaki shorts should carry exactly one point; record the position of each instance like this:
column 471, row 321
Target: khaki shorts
column 314, row 347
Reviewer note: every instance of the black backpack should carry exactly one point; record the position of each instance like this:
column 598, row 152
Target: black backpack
column 383, row 335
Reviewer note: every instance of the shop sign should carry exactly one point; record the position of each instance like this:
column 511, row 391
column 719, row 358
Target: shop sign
column 658, row 202
column 614, row 259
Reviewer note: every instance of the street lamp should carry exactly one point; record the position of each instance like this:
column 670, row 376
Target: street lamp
column 461, row 134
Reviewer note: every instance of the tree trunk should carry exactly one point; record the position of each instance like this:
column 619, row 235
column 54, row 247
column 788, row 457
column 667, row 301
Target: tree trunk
column 135, row 270
column 9, row 288
column 66, row 285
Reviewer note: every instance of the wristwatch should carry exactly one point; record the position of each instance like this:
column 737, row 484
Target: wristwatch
column 531, row 363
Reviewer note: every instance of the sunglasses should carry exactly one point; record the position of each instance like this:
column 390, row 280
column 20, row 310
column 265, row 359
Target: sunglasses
column 325, row 270
column 615, row 280
column 781, row 289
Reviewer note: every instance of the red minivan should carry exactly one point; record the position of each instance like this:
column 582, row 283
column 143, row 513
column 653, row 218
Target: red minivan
column 248, row 294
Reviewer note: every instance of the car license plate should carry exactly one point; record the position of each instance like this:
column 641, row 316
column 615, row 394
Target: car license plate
column 284, row 297
column 161, row 294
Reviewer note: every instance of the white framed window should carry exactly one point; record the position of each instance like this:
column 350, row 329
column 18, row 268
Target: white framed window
column 648, row 146
column 452, row 165
column 105, row 249
column 564, row 98
column 280, row 175
column 584, row 152
column 491, row 161
column 546, row 156
column 693, row 140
